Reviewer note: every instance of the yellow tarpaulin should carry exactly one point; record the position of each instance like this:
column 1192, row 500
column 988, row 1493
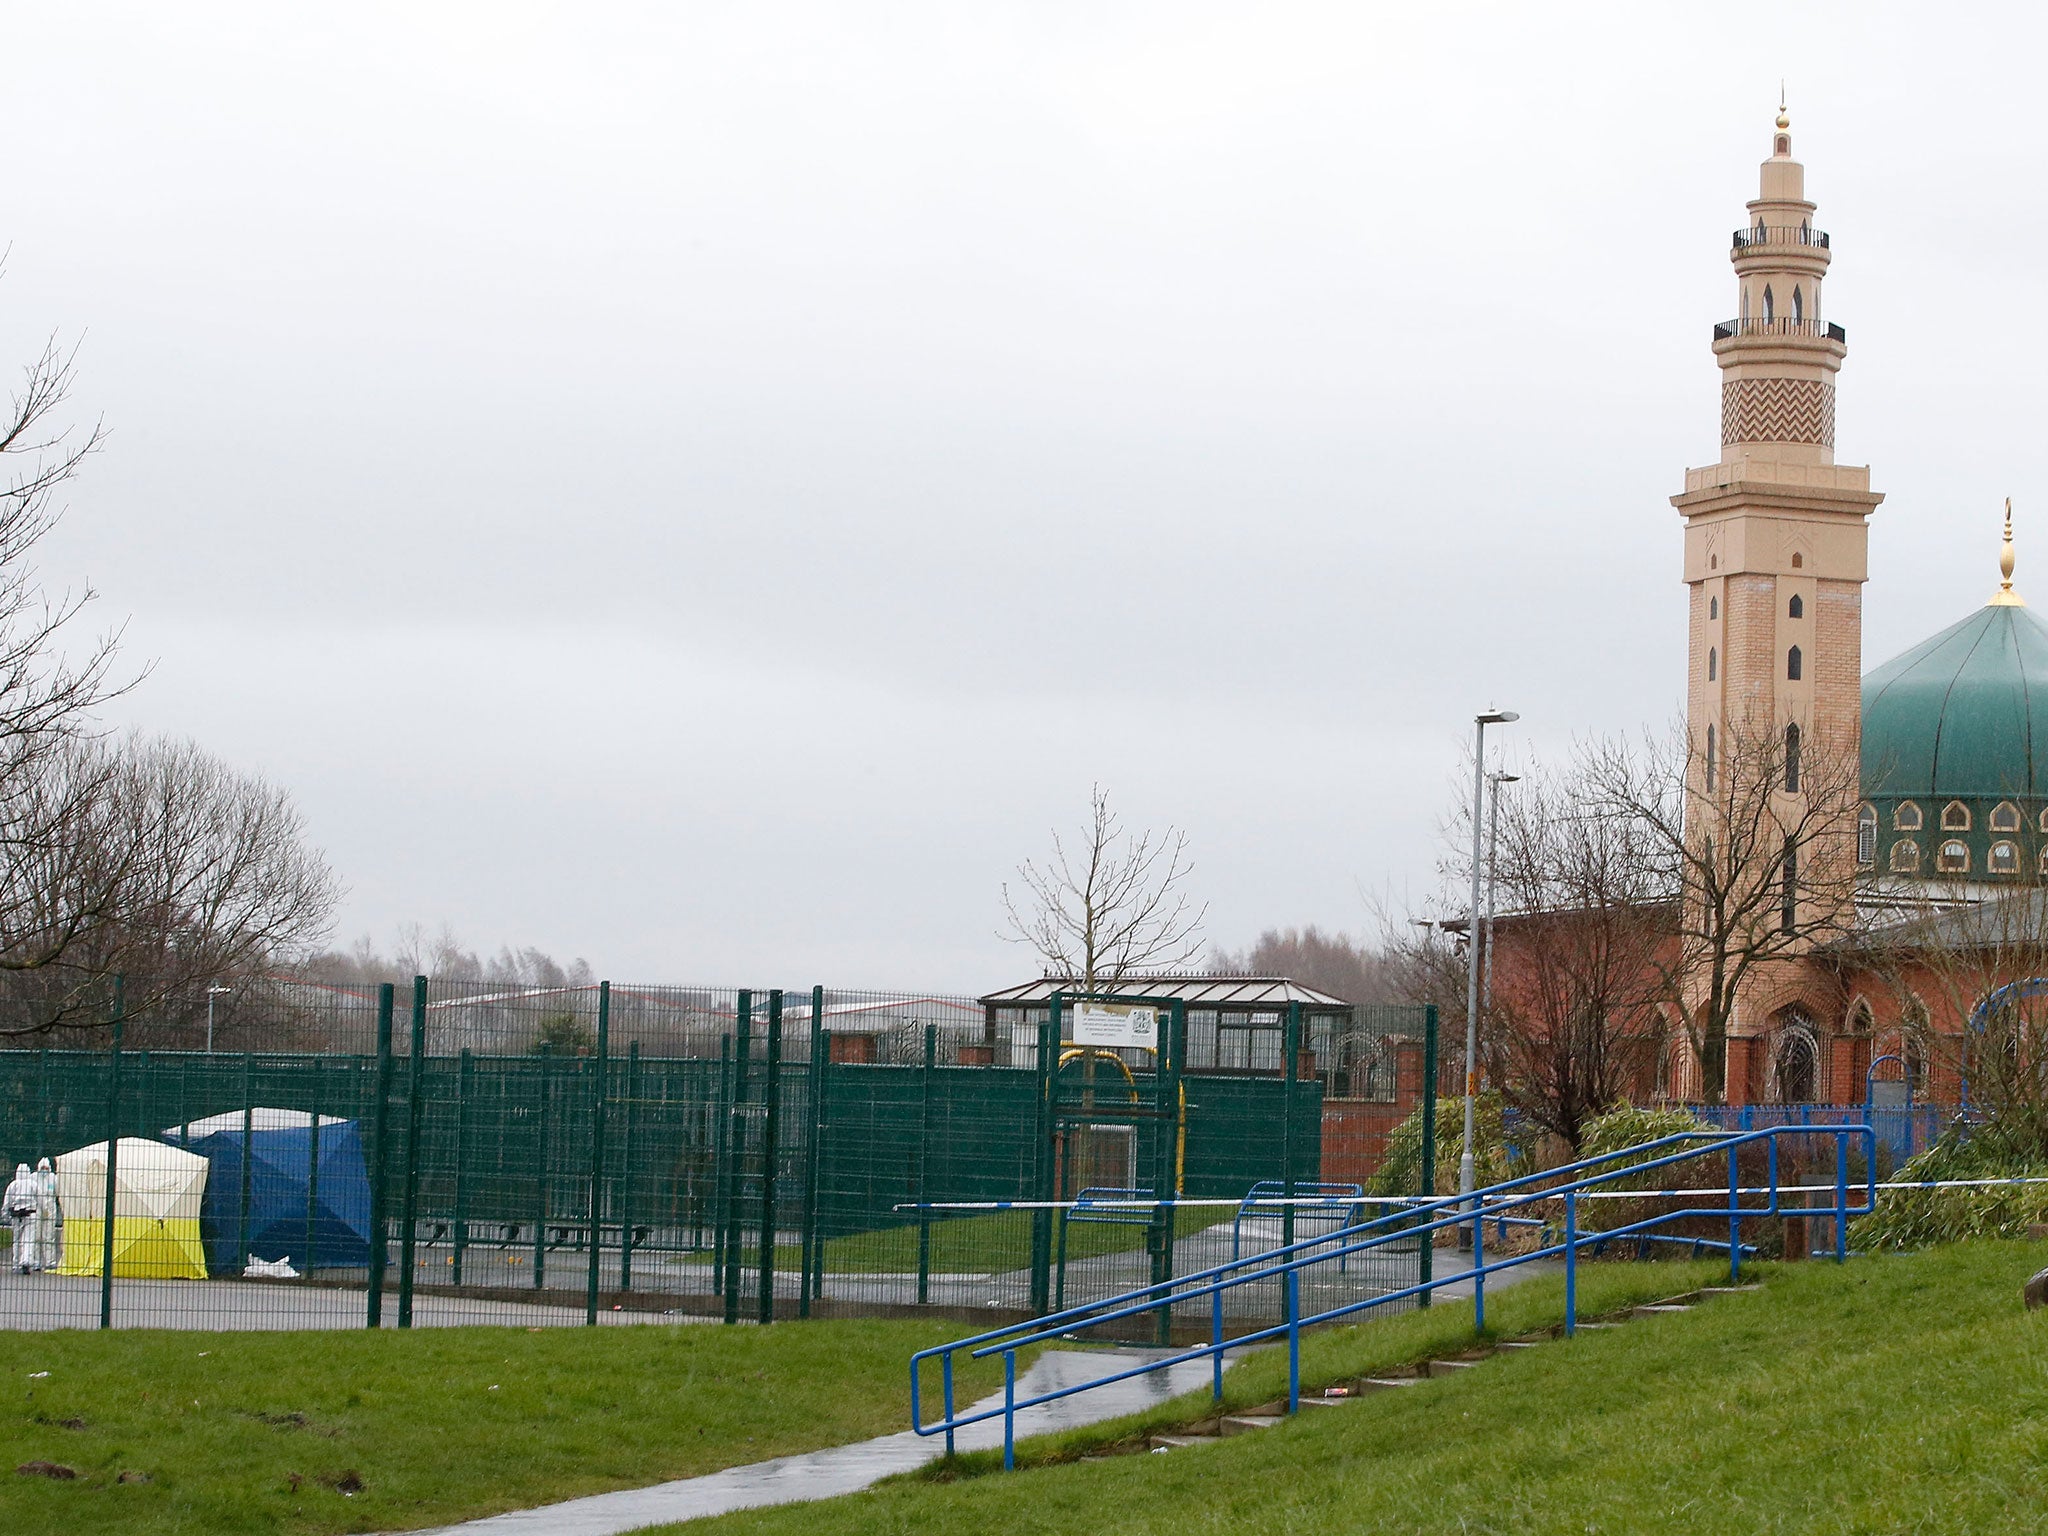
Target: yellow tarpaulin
column 157, row 1192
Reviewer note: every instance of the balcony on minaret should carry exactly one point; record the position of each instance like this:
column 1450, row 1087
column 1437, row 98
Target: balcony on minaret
column 1749, row 241
column 1778, row 325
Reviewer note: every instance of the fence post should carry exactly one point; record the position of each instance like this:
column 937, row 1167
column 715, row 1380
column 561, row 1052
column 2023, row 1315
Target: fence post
column 924, row 1153
column 113, row 1155
column 597, row 1116
column 771, row 1106
column 1290, row 1043
column 248, row 1146
column 1571, row 1263
column 1426, row 1266
column 735, row 1137
column 1166, row 1178
column 409, row 1204
column 1041, row 1217
column 814, row 1250
column 626, row 1168
column 380, row 1125
column 465, row 1082
column 312, row 1169
column 721, row 1137
column 540, row 1174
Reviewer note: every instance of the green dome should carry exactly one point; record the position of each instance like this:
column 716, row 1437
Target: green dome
column 1953, row 718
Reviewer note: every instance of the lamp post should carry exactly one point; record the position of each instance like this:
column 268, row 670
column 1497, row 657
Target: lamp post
column 211, row 994
column 1465, row 1165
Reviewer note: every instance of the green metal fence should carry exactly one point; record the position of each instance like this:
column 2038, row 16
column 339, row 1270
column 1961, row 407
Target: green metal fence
column 611, row 1154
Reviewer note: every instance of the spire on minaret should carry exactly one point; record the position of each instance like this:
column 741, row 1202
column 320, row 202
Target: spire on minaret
column 2005, row 597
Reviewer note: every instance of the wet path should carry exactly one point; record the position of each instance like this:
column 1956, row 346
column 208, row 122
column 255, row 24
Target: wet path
column 849, row 1468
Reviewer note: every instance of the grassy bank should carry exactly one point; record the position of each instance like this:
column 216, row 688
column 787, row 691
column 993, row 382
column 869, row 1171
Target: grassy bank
column 1904, row 1393
column 332, row 1432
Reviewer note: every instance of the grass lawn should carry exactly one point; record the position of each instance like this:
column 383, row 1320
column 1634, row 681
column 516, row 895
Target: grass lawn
column 1905, row 1393
column 250, row 1432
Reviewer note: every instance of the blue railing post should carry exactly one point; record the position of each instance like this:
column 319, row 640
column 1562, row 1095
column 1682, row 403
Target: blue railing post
column 1009, row 1410
column 946, row 1364
column 1734, row 1222
column 1293, row 1340
column 1842, row 1199
column 1478, row 1265
column 1216, row 1343
column 1571, row 1263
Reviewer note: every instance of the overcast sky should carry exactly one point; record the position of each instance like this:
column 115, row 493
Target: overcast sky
column 705, row 488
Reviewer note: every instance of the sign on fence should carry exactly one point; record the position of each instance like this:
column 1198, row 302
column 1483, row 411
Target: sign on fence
column 1116, row 1024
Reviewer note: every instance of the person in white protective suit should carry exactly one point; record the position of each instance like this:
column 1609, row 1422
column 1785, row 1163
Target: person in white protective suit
column 49, row 1218
column 19, row 1202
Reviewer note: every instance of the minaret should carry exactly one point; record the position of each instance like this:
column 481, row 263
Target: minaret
column 1776, row 532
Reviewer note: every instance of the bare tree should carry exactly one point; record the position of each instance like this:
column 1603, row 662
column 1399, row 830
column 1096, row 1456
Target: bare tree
column 1116, row 906
column 1754, row 843
column 1352, row 969
column 1576, row 992
column 191, row 873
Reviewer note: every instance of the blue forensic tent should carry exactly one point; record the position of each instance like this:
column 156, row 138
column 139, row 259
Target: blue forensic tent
column 297, row 1172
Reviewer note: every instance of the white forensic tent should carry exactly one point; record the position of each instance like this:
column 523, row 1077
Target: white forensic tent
column 157, row 1194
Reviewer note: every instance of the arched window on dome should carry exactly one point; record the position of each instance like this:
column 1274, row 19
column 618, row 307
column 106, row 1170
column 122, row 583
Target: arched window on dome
column 1710, row 758
column 1953, row 857
column 1713, row 608
column 1792, row 665
column 1791, row 759
column 1798, row 304
column 1770, row 305
column 1905, row 857
column 1866, row 836
column 1906, row 818
column 1955, row 817
column 2005, row 817
column 1713, row 664
column 2004, row 858
column 1796, row 609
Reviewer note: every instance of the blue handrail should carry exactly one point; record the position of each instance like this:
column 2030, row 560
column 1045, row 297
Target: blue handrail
column 1416, row 1221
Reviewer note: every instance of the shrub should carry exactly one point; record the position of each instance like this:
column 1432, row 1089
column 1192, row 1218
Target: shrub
column 1919, row 1218
column 1401, row 1171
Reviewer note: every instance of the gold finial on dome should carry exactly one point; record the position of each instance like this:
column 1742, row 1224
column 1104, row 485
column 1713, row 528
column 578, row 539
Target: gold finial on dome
column 2005, row 597
column 1784, row 121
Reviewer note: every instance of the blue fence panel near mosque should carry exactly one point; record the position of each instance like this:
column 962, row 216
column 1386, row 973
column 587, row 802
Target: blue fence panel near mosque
column 1903, row 1130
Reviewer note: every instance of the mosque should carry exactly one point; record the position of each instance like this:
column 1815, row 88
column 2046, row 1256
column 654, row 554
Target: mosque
column 1951, row 813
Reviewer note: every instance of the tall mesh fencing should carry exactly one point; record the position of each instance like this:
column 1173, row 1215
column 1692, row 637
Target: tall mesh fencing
column 456, row 1152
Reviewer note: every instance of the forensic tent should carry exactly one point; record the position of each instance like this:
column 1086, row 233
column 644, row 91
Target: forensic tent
column 157, row 1191
column 301, row 1192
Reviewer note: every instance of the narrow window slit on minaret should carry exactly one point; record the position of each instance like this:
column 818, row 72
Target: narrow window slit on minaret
column 1796, row 608
column 1792, row 665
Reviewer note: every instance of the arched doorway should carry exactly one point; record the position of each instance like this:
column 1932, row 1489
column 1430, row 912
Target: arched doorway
column 1795, row 1059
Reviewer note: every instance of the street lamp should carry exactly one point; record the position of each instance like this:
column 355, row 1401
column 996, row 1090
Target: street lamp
column 1465, row 1165
column 211, row 994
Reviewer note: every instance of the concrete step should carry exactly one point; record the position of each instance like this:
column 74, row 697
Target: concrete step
column 1658, row 1308
column 1245, row 1423
column 1449, row 1367
column 1178, row 1442
column 1327, row 1402
column 1728, row 1290
column 1523, row 1343
column 1387, row 1383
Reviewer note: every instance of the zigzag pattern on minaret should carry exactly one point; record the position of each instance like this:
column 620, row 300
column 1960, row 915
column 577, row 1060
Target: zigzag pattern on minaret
column 1777, row 411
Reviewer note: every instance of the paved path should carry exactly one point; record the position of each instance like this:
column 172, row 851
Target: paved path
column 849, row 1468
column 73, row 1301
